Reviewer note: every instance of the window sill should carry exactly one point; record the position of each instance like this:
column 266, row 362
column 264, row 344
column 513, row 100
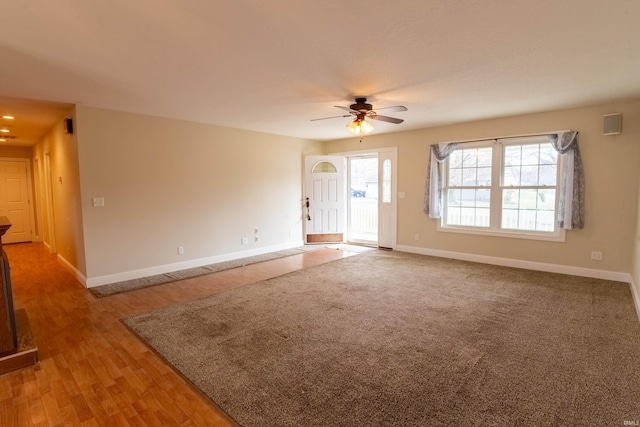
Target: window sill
column 558, row 237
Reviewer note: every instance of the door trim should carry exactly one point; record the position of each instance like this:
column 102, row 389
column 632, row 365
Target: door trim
column 394, row 184
column 48, row 188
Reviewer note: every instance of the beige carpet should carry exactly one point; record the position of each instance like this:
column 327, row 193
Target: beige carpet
column 390, row 339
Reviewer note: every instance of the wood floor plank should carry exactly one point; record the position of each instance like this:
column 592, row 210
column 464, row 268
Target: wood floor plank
column 93, row 370
column 20, row 415
column 81, row 407
column 37, row 413
column 51, row 408
column 69, row 416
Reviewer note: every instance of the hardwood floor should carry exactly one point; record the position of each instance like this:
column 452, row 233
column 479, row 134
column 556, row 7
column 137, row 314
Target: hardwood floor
column 93, row 371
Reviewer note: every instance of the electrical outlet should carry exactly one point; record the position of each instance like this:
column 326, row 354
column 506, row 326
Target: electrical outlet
column 98, row 202
column 256, row 230
column 596, row 256
column 244, row 241
column 416, row 237
column 180, row 250
column 257, row 238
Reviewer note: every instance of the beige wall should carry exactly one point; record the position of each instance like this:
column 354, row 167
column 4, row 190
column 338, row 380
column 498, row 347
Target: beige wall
column 169, row 183
column 62, row 203
column 611, row 174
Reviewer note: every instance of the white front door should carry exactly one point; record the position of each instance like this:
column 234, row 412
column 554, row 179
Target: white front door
column 14, row 200
column 324, row 199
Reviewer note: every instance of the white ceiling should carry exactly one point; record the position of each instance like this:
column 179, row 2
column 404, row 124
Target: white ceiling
column 272, row 66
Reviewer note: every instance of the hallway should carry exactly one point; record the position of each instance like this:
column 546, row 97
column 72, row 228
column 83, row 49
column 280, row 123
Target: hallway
column 93, row 371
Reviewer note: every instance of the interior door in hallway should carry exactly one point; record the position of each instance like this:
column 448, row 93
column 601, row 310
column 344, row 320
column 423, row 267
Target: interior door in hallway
column 14, row 200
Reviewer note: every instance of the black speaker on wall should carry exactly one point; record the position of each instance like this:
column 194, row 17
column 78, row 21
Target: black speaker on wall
column 68, row 125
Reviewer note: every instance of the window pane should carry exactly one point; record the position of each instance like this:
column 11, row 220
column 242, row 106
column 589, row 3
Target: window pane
column 469, row 168
column 529, row 175
column 469, row 177
column 455, row 159
column 528, row 209
column 531, row 154
column 548, row 175
column 484, row 177
column 455, row 177
column 545, row 221
column 468, row 216
column 454, row 197
column 468, row 197
column 510, row 219
column 548, row 155
column 324, row 167
column 510, row 199
column 511, row 176
column 469, row 158
column 547, row 200
column 485, row 157
column 512, row 155
column 483, row 198
column 469, row 207
column 483, row 215
column 528, row 199
column 526, row 220
column 453, row 216
column 386, row 181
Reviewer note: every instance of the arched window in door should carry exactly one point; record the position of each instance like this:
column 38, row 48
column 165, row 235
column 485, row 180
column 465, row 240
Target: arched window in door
column 324, row 167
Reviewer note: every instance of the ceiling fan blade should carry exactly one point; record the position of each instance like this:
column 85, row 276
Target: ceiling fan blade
column 332, row 117
column 386, row 118
column 394, row 108
column 345, row 108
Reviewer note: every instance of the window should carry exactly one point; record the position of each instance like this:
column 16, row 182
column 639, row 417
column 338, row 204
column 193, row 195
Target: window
column 324, row 167
column 469, row 187
column 386, row 181
column 504, row 187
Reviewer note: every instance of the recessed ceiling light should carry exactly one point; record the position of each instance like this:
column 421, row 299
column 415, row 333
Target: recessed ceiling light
column 8, row 117
column 5, row 130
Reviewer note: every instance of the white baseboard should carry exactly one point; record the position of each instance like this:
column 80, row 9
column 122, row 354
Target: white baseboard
column 635, row 291
column 168, row 268
column 77, row 274
column 616, row 276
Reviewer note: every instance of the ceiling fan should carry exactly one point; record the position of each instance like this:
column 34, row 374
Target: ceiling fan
column 362, row 111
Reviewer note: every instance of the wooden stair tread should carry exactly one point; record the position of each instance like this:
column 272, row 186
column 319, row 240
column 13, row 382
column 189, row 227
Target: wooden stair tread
column 26, row 353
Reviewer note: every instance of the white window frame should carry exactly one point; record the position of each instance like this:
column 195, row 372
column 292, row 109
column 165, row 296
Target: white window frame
column 494, row 229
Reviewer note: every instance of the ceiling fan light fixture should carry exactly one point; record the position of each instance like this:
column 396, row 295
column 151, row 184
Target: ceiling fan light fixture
column 359, row 126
